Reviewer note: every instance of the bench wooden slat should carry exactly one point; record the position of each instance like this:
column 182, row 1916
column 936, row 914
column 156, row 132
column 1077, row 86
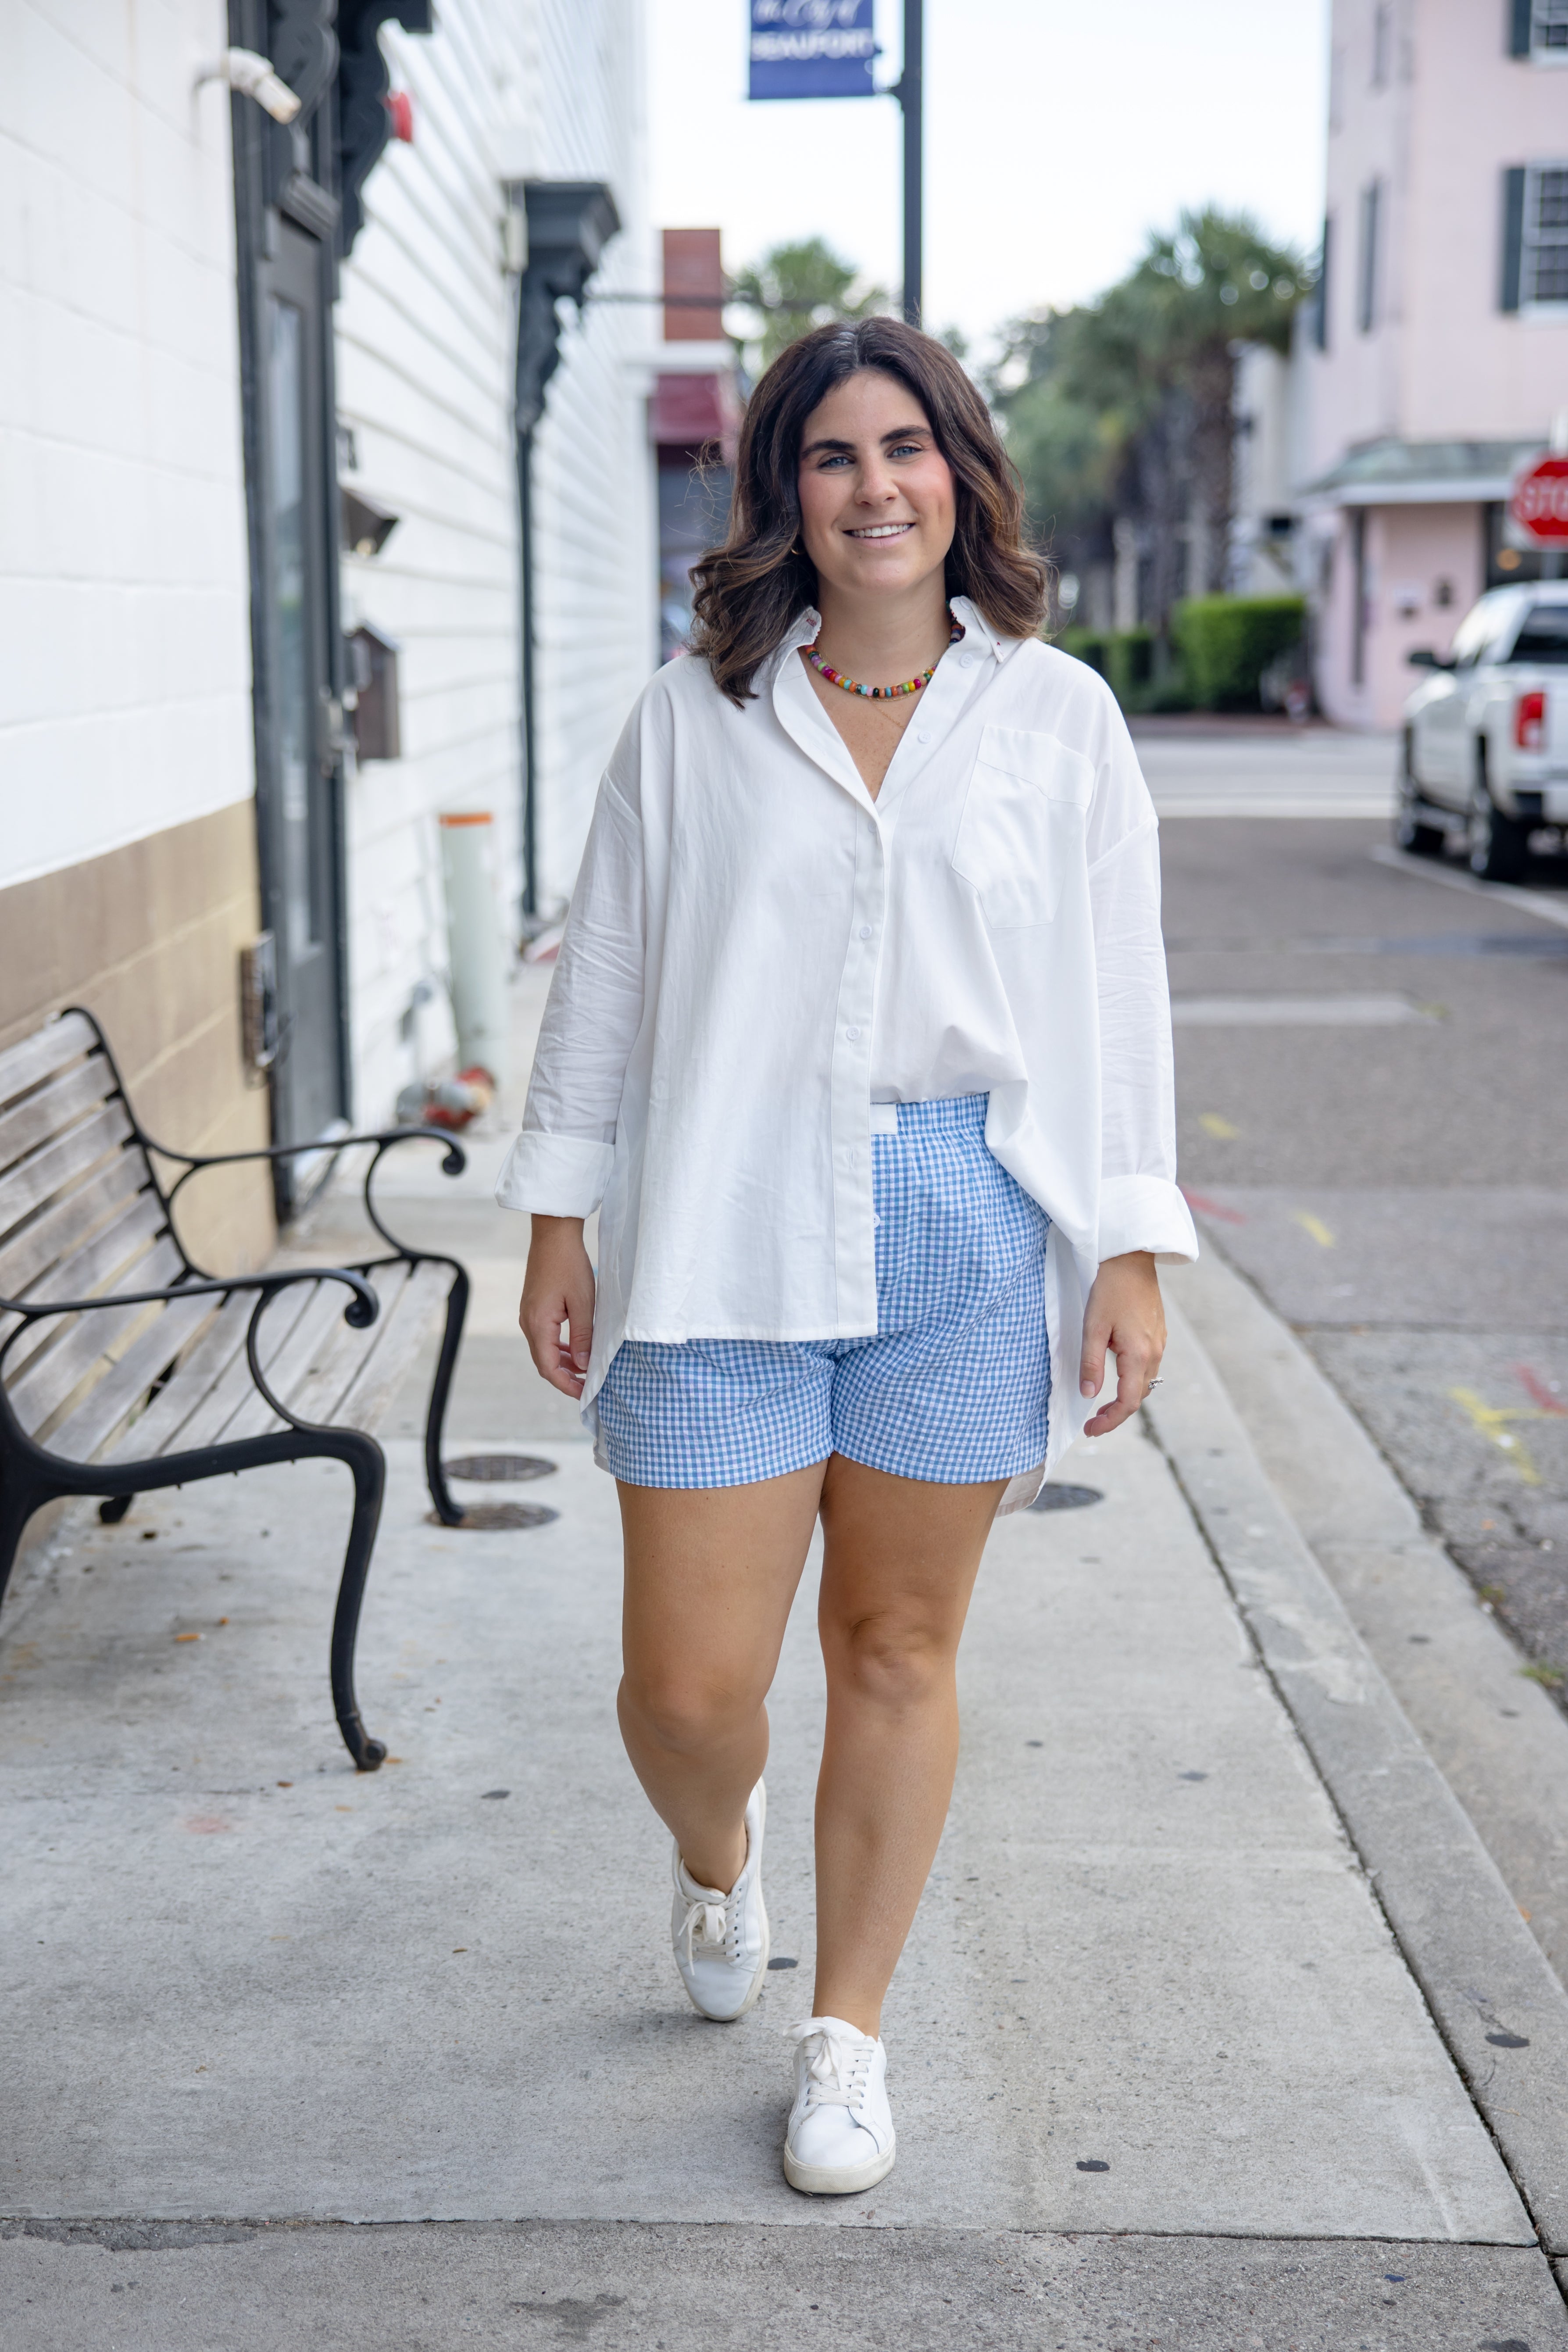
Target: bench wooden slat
column 81, row 1273
column 48, row 1049
column 57, row 1229
column 50, row 1112
column 161, row 1429
column 32, row 1181
column 42, row 1390
column 106, row 1406
column 207, row 1424
column 325, row 1302
column 381, row 1376
column 337, row 1365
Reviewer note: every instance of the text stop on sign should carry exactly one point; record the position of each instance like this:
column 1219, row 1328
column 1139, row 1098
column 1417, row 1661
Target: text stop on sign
column 1540, row 501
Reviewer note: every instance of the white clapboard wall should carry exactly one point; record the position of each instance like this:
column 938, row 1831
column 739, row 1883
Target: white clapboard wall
column 125, row 675
column 426, row 323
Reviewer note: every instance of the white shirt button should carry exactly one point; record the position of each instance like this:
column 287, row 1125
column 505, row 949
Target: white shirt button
column 924, row 736
column 865, row 930
column 852, row 1035
column 966, row 661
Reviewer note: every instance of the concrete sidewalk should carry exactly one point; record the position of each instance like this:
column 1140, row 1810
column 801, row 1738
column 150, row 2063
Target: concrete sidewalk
column 1160, row 2068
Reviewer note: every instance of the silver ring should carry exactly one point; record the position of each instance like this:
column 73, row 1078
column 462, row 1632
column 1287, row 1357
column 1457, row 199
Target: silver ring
column 1156, row 1381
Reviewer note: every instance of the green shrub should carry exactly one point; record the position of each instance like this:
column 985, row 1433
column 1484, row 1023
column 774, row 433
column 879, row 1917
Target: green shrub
column 1085, row 646
column 1128, row 660
column 1129, row 668
column 1225, row 643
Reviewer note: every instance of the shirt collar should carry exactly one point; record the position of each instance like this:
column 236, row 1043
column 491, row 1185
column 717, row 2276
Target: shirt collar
column 982, row 638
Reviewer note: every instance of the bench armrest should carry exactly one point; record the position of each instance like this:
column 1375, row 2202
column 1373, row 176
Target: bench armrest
column 453, row 1165
column 384, row 1138
column 360, row 1311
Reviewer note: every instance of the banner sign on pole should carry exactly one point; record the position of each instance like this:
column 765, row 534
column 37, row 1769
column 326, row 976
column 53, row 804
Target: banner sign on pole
column 812, row 48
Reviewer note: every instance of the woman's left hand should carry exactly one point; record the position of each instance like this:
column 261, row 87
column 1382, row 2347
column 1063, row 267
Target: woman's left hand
column 1125, row 1317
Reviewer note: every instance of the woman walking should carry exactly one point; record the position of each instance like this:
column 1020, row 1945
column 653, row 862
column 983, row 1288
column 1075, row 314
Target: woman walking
column 859, row 1041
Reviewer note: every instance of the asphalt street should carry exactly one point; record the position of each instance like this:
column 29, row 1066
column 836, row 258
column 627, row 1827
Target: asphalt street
column 1374, row 1129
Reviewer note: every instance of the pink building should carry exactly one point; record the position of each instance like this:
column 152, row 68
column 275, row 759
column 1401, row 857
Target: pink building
column 1436, row 356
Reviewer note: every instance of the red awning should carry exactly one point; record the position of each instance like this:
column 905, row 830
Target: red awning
column 688, row 409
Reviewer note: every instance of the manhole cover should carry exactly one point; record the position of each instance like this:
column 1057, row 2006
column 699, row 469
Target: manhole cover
column 483, row 1516
column 499, row 1469
column 1065, row 1498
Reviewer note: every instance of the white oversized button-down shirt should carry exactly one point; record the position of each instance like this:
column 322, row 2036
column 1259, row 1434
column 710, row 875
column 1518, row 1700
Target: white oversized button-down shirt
column 756, row 948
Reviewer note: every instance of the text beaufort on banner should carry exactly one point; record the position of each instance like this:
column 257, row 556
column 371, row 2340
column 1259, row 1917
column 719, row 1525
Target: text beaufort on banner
column 812, row 48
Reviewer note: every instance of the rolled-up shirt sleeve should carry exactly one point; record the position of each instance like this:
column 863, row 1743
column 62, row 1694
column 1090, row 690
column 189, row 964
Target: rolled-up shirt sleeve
column 560, row 1165
column 1141, row 1207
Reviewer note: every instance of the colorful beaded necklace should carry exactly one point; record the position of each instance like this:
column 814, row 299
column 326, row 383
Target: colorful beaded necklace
column 880, row 693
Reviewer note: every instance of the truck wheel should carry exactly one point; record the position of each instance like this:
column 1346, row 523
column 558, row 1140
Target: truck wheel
column 1498, row 843
column 1412, row 831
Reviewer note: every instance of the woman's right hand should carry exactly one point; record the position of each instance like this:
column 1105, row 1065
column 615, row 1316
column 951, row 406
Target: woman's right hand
column 558, row 1288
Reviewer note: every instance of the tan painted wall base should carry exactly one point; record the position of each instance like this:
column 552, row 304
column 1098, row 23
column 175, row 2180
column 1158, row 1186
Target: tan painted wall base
column 148, row 939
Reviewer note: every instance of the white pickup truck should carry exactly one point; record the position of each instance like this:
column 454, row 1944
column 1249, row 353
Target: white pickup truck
column 1485, row 736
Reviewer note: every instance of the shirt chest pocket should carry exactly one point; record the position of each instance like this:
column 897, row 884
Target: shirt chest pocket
column 1021, row 829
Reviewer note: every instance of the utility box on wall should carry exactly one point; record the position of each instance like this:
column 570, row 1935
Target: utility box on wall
column 378, row 724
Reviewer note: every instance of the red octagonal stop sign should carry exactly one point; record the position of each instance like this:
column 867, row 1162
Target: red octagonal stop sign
column 1540, row 501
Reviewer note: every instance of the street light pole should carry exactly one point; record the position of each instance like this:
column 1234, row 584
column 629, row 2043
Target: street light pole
column 908, row 92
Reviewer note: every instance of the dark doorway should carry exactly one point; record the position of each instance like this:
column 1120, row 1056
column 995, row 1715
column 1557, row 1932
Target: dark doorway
column 299, row 772
column 297, row 196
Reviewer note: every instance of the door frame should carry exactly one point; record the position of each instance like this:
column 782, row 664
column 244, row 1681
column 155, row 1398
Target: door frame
column 286, row 174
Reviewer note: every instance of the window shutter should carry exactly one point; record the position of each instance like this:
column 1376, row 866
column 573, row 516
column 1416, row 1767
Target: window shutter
column 1519, row 16
column 1512, row 235
column 1321, row 294
column 1368, row 289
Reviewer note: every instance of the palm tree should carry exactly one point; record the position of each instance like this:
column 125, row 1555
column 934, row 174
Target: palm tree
column 795, row 287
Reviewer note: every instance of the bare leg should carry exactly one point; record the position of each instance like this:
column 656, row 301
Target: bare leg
column 709, row 1577
column 901, row 1559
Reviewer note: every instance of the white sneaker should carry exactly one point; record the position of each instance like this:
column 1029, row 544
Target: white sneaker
column 722, row 1940
column 841, row 2135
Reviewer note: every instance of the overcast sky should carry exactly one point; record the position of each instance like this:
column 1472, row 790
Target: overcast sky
column 1058, row 133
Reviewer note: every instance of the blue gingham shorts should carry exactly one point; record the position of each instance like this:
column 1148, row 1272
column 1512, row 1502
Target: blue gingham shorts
column 954, row 1386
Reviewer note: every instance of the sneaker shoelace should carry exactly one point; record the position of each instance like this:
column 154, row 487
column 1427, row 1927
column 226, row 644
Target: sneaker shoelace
column 837, row 2069
column 710, row 1923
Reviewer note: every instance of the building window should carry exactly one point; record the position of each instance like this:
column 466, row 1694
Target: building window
column 1543, row 255
column 1549, row 29
column 1367, row 287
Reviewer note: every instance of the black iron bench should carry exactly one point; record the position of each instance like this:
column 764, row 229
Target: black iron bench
column 124, row 1366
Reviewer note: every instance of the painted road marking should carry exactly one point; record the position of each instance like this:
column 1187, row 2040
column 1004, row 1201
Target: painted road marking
column 1208, row 1208
column 1221, row 1128
column 1314, row 1226
column 1491, row 1421
column 1543, row 1392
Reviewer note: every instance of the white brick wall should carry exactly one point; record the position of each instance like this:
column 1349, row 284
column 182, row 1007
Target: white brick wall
column 124, row 635
column 425, row 355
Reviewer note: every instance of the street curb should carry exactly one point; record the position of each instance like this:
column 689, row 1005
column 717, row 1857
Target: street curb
column 1500, row 2009
column 1497, row 1738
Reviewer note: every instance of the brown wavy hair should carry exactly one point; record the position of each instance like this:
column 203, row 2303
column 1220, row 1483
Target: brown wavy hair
column 750, row 590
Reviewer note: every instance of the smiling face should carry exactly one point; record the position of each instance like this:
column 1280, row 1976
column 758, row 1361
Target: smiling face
column 878, row 506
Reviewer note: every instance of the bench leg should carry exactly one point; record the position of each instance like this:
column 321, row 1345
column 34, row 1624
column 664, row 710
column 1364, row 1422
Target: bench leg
column 448, row 1510
column 114, row 1510
column 365, row 1459
column 17, row 1504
